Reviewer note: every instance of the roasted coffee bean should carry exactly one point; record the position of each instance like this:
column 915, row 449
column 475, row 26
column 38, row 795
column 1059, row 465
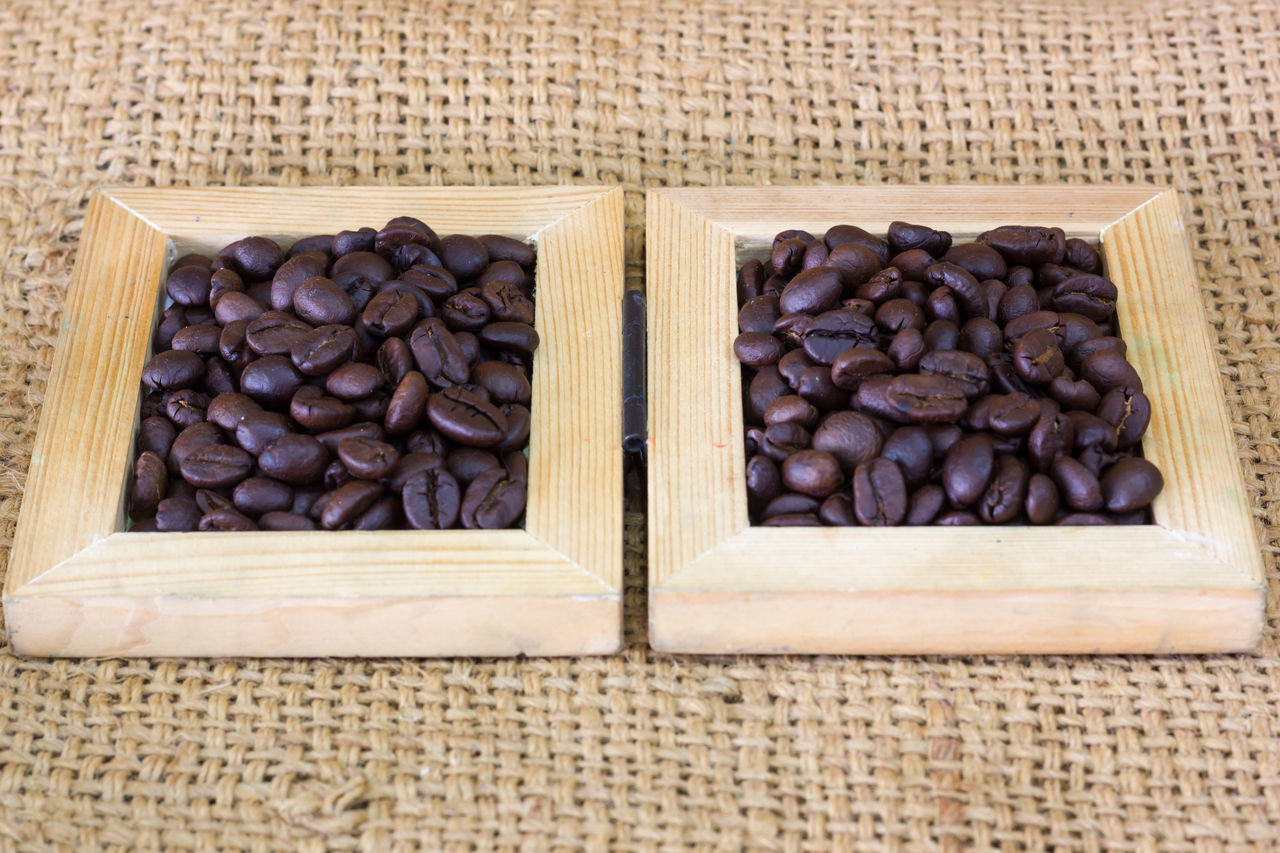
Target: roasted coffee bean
column 1074, row 393
column 464, row 256
column 764, row 482
column 790, row 408
column 980, row 261
column 811, row 292
column 1006, row 496
column 359, row 268
column 504, row 271
column 407, row 405
column 812, row 472
column 1090, row 295
column 792, row 520
column 431, row 499
column 331, row 438
column 177, row 515
column 837, row 511
column 253, row 258
column 1090, row 519
column 321, row 302
column 911, row 448
column 942, row 335
column 964, row 369
column 781, row 440
column 275, row 333
column 995, row 291
column 185, row 407
column 316, row 411
column 390, row 312
column 1075, row 329
column 879, row 493
column 218, row 378
column 371, row 408
column 851, row 438
column 787, row 255
column 1018, row 301
column 256, row 430
column 854, row 265
column 348, row 502
column 292, row 273
column 968, row 469
column 1129, row 412
column 507, row 301
column 759, row 314
column 906, row 349
column 854, row 365
column 201, row 339
column 171, row 322
column 466, row 310
column 354, row 381
column 1004, row 378
column 466, row 418
column 1108, row 369
column 236, row 306
column 1082, row 256
column 1051, row 437
column 508, row 249
column 259, row 495
column 189, row 285
column 904, row 236
column 925, row 505
column 467, row 463
column 190, row 440
column 226, row 520
column 505, row 383
column 1130, row 484
column 1077, row 486
column 897, row 314
column 957, row 518
column 284, row 521
column 435, row 281
column 295, row 459
column 156, row 434
column 221, row 283
column 1086, row 348
column 382, row 515
column 1092, row 431
column 368, row 459
column 1027, row 246
column 410, row 464
column 840, row 235
column 173, row 369
column 1012, row 414
column 1041, row 503
column 150, row 483
column 215, row 466
column 493, row 500
column 510, row 337
column 403, row 231
column 982, row 337
column 791, row 503
column 912, row 264
column 920, row 398
column 1036, row 357
column 882, row 287
column 437, row 354
column 766, row 386
column 757, row 349
column 963, row 285
column 816, row 387
column 519, row 421
column 271, row 380
column 324, row 349
column 941, row 306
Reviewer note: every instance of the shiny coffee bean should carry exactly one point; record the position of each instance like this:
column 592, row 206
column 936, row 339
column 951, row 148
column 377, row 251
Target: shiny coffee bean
column 354, row 381
column 965, row 369
column 253, row 258
column 968, row 469
column 226, row 520
column 410, row 464
column 383, row 515
column 390, row 312
column 1108, row 369
column 837, row 511
column 493, row 501
column 1130, row 484
column 259, row 495
column 925, row 505
column 201, row 339
column 368, row 459
column 348, row 502
column 358, row 268
column 1077, row 486
column 510, row 337
column 811, row 292
column 879, row 493
column 437, row 354
column 921, row 398
column 177, row 515
column 1082, row 256
column 1006, row 496
column 275, row 333
column 256, row 430
column 156, row 434
column 766, row 386
column 962, row 283
column 150, row 483
column 912, row 264
column 508, row 249
column 408, row 404
column 467, row 463
column 271, row 380
column 295, row 459
column 791, row 503
column 431, row 499
column 285, row 521
column 237, row 306
column 519, row 421
column 793, row 365
column 851, row 438
column 507, row 301
column 791, row 408
column 1129, row 412
column 185, row 407
column 903, row 236
column 464, row 256
column 173, row 369
column 816, row 387
column 215, row 466
column 1026, row 245
column 190, row 440
column 466, row 418
column 906, row 349
column 505, row 383
column 1037, row 358
column 764, row 482
column 812, row 472
column 1090, row 295
column 316, row 411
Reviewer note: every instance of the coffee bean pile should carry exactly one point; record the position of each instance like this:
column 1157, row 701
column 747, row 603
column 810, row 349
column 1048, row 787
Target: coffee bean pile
column 365, row 380
column 910, row 380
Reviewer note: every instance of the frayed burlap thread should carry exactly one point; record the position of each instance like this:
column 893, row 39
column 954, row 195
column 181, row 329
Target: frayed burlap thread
column 640, row 751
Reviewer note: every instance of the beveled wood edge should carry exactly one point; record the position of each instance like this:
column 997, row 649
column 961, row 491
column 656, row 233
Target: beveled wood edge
column 683, row 586
column 1156, row 621
column 289, row 626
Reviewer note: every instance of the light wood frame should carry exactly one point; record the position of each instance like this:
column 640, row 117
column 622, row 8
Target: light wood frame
column 1192, row 582
column 77, row 585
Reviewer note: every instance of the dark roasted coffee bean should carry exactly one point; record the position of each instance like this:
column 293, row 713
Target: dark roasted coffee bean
column 757, row 349
column 881, row 287
column 1077, row 486
column 371, row 408
column 1130, row 484
column 232, row 345
column 764, row 482
column 1004, row 378
column 790, row 328
column 322, row 243
column 854, row 265
column 941, row 306
column 942, row 335
column 1075, row 329
column 368, row 459
column 1074, row 393
column 982, row 337
column 354, row 381
column 510, row 337
column 519, row 422
column 1129, row 412
column 171, row 322
column 275, row 333
column 1092, row 431
column 216, row 465
column 185, row 407
column 156, row 434
column 980, row 261
column 1007, row 494
column 1108, row 369
column 408, row 404
column 314, row 410
column 201, row 339
column 256, row 430
column 150, row 483
column 410, row 464
column 904, row 236
column 1051, row 437
column 431, row 499
column 812, row 472
column 466, row 418
column 493, row 501
column 787, row 255
column 193, row 259
column 508, row 249
column 348, row 502
column 505, row 383
column 1089, row 519
column 856, row 364
column 911, row 448
column 295, row 459
column 793, row 365
column 293, row 273
column 435, row 281
column 1090, row 295
column 1082, row 256
column 1016, row 328
column 507, row 301
column 331, row 438
column 324, row 349
column 759, row 314
column 218, row 378
column 751, row 277
column 766, row 386
column 963, row 284
column 837, row 511
column 226, row 520
column 1041, row 502
column 210, row 500
column 253, row 258
column 321, row 302
column 879, row 493
column 221, row 283
column 271, row 380
column 258, row 495
column 897, row 314
column 1012, row 414
column 389, row 313
column 464, row 256
column 190, row 440
column 177, row 515
column 466, row 310
column 912, row 264
column 236, row 306
column 1026, row 245
column 781, row 440
column 173, row 369
column 840, row 235
column 791, row 408
column 963, row 368
column 1049, row 276
column 811, row 292
column 189, row 285
column 411, row 255
column 285, row 521
column 943, row 437
column 791, row 503
column 1018, row 301
column 355, row 269
column 906, row 349
column 925, row 504
column 1036, row 357
column 968, row 469
column 437, row 354
column 467, row 463
column 851, row 438
column 816, row 387
column 957, row 518
column 924, row 398
column 383, row 515
column 404, row 231
column 994, row 291
column 1086, row 348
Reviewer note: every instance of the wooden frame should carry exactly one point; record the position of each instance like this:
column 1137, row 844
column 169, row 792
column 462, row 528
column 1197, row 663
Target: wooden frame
column 76, row 585
column 1192, row 582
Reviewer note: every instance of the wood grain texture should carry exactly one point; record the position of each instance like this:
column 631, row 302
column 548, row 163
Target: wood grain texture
column 1191, row 582
column 77, row 586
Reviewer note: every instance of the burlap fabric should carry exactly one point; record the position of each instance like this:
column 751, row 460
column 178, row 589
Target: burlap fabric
column 641, row 751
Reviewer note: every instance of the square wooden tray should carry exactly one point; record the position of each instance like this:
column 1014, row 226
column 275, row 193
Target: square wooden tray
column 1191, row 582
column 78, row 585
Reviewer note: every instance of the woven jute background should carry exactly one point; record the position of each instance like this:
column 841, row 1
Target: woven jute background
column 640, row 751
